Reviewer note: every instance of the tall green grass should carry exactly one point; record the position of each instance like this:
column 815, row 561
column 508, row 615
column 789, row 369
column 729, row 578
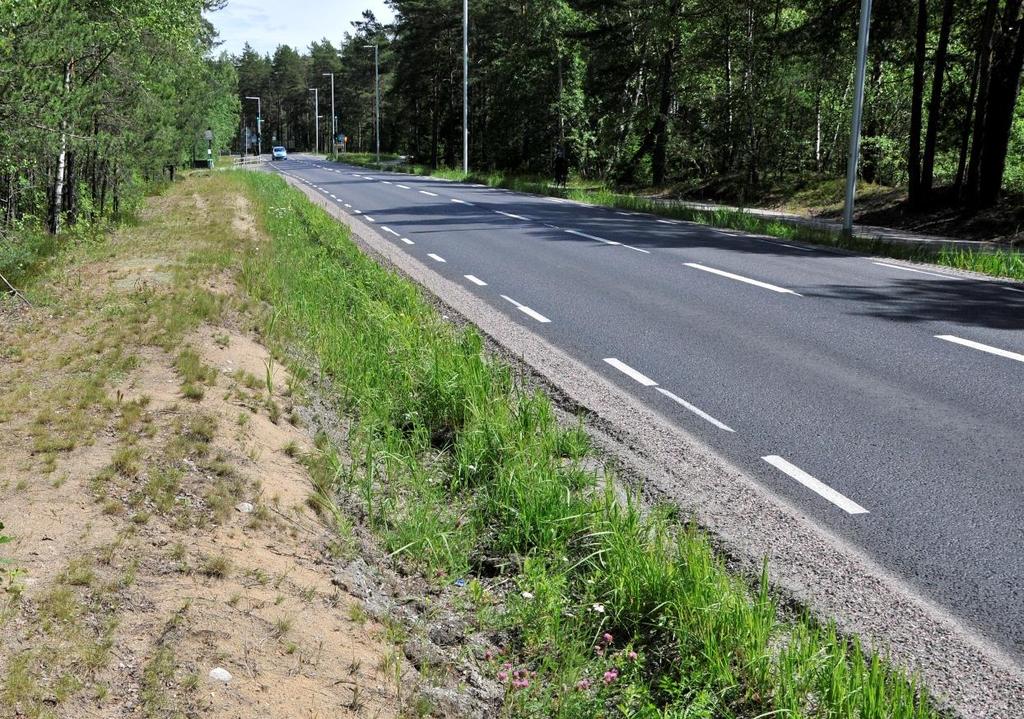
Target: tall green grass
column 997, row 263
column 461, row 470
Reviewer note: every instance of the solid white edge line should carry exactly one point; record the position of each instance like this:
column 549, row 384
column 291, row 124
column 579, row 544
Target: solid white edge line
column 816, row 486
column 741, row 278
column 1012, row 289
column 696, row 410
column 475, row 280
column 407, row 241
column 432, row 256
column 637, row 249
column 920, row 272
column 979, row 346
column 630, row 372
column 430, row 194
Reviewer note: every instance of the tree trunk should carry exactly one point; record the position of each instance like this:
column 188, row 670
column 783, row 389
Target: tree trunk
column 659, row 156
column 965, row 130
column 916, row 103
column 984, row 70
column 935, row 104
column 1008, row 60
column 57, row 201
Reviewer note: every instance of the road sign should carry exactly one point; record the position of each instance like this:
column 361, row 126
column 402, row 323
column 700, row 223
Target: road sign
column 208, row 135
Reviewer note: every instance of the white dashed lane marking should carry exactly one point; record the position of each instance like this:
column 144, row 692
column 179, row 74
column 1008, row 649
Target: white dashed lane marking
column 981, row 347
column 741, row 278
column 630, row 372
column 526, row 310
column 815, row 485
column 696, row 410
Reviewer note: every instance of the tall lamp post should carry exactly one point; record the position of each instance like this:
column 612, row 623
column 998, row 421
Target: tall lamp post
column 316, row 120
column 259, row 126
column 465, row 86
column 376, row 90
column 858, row 113
column 334, row 118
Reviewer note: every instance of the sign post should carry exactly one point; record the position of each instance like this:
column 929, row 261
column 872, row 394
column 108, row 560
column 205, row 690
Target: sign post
column 209, row 147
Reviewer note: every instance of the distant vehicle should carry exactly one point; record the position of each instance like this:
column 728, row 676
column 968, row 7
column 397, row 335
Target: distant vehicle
column 279, row 153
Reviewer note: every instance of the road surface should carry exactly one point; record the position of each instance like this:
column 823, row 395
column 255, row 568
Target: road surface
column 883, row 399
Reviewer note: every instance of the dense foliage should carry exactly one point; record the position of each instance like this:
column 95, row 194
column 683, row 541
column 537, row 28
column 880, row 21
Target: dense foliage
column 742, row 92
column 96, row 98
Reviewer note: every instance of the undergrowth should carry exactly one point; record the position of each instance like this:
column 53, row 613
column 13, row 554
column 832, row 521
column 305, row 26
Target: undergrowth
column 461, row 470
column 998, row 263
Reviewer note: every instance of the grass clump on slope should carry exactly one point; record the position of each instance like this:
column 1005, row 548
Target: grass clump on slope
column 459, row 469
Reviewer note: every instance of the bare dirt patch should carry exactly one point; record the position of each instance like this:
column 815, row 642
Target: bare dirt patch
column 154, row 484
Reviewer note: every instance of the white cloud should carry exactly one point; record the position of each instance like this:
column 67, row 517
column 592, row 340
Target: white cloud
column 265, row 24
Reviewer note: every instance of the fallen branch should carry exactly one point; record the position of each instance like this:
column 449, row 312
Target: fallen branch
column 15, row 291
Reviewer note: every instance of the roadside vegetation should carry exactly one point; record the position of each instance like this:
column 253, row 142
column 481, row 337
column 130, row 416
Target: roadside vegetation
column 70, row 168
column 1007, row 263
column 465, row 474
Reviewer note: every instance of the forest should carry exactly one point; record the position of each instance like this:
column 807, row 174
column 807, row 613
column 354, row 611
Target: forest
column 740, row 94
column 96, row 99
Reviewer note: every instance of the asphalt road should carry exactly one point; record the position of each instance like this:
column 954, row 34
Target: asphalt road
column 883, row 399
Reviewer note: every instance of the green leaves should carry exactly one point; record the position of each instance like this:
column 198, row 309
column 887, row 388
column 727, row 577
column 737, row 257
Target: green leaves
column 118, row 90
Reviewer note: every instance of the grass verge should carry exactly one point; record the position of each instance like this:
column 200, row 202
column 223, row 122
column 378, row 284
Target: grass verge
column 998, row 263
column 466, row 474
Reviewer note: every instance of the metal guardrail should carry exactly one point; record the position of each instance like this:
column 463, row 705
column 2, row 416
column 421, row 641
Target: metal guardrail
column 250, row 160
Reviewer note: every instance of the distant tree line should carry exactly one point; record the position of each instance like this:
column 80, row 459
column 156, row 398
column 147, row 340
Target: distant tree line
column 747, row 92
column 97, row 97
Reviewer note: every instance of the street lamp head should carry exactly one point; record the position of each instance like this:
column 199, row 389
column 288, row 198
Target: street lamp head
column 250, row 97
column 328, row 74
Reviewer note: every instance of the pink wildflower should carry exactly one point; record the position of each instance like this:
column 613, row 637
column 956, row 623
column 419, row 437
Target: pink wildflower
column 583, row 684
column 632, row 656
column 521, row 683
column 608, row 638
column 502, row 676
column 611, row 675
column 488, row 655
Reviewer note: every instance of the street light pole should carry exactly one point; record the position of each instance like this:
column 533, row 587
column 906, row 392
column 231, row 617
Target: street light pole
column 858, row 113
column 334, row 118
column 465, row 86
column 259, row 126
column 376, row 90
column 316, row 120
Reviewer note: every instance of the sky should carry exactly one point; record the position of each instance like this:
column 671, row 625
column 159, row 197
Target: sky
column 266, row 24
